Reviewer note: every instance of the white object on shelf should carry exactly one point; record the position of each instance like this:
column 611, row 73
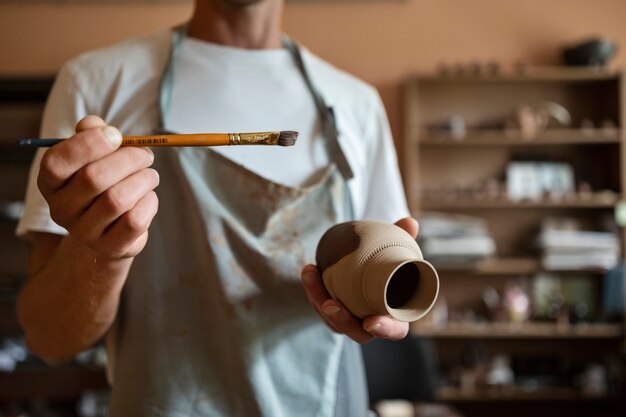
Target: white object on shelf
column 395, row 408
column 466, row 246
column 577, row 239
column 523, row 181
column 531, row 180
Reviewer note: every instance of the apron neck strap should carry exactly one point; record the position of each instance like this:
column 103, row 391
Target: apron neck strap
column 167, row 78
column 325, row 112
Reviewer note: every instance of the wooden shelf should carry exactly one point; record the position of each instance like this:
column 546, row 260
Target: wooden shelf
column 508, row 266
column 497, row 137
column 56, row 384
column 10, row 153
column 495, row 266
column 599, row 200
column 452, row 394
column 11, row 281
column 520, row 331
column 24, row 89
column 545, row 73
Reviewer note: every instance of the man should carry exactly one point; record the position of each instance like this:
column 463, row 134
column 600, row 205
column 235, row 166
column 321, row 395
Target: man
column 199, row 303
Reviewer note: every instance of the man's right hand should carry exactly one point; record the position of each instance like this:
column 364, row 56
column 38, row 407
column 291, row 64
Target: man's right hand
column 103, row 195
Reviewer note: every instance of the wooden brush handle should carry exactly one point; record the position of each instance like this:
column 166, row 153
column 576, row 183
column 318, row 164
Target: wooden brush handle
column 192, row 139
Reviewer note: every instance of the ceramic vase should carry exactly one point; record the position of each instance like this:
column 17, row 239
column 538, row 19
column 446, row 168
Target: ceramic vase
column 377, row 268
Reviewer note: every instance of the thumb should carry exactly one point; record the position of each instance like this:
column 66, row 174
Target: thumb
column 90, row 122
column 410, row 225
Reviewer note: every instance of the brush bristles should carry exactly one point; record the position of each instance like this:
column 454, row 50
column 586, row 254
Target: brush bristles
column 287, row 138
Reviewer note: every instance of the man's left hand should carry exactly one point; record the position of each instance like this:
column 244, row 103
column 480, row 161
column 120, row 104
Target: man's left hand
column 338, row 318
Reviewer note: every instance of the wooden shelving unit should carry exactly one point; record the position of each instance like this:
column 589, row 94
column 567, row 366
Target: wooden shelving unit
column 521, row 331
column 21, row 106
column 597, row 200
column 495, row 137
column 504, row 267
column 454, row 173
column 64, row 383
column 449, row 394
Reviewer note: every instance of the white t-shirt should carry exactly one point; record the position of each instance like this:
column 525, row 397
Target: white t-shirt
column 224, row 89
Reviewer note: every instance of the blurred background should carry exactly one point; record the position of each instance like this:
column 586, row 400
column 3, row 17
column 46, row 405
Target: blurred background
column 507, row 117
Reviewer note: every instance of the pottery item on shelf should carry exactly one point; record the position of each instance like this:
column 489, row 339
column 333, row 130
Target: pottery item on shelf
column 590, row 53
column 375, row 268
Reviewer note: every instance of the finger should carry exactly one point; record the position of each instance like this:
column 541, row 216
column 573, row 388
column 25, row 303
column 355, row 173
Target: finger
column 332, row 311
column 314, row 287
column 62, row 160
column 89, row 122
column 410, row 225
column 386, row 327
column 115, row 203
column 95, row 178
column 344, row 322
column 316, row 292
column 128, row 235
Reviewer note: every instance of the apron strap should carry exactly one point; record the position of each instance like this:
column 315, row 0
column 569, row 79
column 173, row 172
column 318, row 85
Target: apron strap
column 326, row 113
column 167, row 78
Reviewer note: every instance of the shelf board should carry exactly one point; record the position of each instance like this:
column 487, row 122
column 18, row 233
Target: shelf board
column 23, row 89
column 453, row 394
column 528, row 330
column 11, row 281
column 494, row 266
column 508, row 266
column 498, row 137
column 599, row 200
column 524, row 74
column 10, row 153
column 51, row 383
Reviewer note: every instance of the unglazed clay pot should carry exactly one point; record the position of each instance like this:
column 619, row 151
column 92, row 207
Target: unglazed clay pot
column 376, row 268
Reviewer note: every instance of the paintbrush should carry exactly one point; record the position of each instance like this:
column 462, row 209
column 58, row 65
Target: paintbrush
column 280, row 138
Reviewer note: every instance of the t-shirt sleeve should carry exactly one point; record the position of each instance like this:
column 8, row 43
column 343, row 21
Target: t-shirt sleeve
column 385, row 199
column 64, row 108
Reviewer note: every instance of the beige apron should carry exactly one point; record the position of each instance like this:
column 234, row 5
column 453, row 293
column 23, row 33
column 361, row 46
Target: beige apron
column 214, row 320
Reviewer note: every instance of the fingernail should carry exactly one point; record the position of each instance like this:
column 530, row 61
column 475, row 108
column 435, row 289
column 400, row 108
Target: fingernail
column 374, row 327
column 331, row 310
column 113, row 135
column 308, row 277
column 150, row 153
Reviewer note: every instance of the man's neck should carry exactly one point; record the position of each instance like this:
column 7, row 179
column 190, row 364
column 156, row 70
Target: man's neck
column 252, row 26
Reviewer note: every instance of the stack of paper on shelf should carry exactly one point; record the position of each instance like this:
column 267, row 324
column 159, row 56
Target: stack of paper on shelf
column 577, row 249
column 454, row 238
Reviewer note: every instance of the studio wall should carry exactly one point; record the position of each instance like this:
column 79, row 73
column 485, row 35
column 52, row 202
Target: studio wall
column 381, row 41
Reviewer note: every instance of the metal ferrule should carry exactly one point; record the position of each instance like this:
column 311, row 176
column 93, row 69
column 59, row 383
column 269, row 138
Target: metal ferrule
column 254, row 138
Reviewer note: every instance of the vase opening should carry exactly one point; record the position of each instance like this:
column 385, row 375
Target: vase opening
column 411, row 290
column 402, row 286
